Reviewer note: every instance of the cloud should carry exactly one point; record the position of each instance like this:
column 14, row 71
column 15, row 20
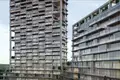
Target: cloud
column 4, row 44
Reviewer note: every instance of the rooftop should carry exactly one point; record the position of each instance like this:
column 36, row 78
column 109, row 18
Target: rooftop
column 96, row 12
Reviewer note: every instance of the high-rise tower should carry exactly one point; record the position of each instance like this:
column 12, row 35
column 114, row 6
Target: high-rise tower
column 38, row 38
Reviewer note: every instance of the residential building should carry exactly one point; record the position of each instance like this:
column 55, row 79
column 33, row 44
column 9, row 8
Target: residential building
column 96, row 43
column 38, row 38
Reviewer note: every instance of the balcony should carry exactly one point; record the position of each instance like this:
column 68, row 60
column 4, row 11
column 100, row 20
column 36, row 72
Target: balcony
column 114, row 21
column 56, row 11
column 48, row 42
column 48, row 46
column 89, row 32
column 56, row 0
column 48, row 31
column 41, row 28
column 56, row 34
column 35, row 47
column 57, row 26
column 65, row 1
column 41, row 50
column 48, row 54
column 48, row 9
column 56, row 53
column 65, row 11
column 56, row 50
column 23, row 61
column 29, row 51
column 48, row 61
column 56, row 30
column 41, row 39
column 56, row 45
column 42, row 2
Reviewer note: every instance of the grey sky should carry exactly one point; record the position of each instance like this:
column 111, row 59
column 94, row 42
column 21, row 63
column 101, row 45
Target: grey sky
column 77, row 9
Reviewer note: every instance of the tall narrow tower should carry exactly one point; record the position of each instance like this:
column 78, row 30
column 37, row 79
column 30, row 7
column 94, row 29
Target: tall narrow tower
column 38, row 38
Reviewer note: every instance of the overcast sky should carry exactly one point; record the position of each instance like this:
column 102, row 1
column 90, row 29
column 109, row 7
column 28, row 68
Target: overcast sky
column 77, row 9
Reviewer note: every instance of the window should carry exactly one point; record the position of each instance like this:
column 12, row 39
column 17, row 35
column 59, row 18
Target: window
column 94, row 49
column 102, row 47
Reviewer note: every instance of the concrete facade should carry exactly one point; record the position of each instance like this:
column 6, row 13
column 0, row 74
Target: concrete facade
column 96, row 43
column 38, row 38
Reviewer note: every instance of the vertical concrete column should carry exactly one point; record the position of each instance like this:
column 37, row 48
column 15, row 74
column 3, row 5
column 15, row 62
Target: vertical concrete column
column 110, row 4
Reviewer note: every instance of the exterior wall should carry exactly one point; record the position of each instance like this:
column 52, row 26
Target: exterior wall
column 96, row 43
column 38, row 34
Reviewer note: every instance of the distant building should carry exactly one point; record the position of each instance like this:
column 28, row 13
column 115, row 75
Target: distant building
column 96, row 43
column 4, row 68
column 70, row 72
column 67, row 71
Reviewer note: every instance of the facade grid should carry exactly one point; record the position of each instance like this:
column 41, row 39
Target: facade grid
column 96, row 44
column 38, row 38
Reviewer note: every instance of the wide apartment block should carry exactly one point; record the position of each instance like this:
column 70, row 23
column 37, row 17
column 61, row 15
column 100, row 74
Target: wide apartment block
column 38, row 38
column 96, row 43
